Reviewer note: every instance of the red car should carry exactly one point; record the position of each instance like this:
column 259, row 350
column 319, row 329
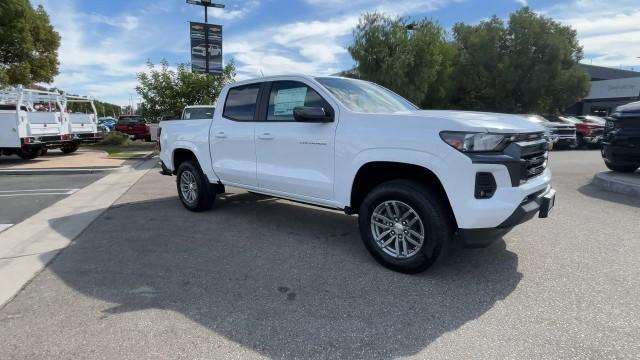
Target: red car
column 589, row 129
column 135, row 126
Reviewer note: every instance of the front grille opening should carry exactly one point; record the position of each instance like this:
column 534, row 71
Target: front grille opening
column 485, row 185
column 534, row 161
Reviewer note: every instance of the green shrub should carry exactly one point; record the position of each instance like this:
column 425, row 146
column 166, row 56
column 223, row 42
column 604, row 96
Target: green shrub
column 115, row 138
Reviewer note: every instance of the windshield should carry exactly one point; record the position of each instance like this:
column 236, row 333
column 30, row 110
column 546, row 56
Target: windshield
column 363, row 96
column 128, row 120
column 594, row 120
column 536, row 118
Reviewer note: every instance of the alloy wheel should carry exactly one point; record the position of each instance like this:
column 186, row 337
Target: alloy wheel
column 397, row 229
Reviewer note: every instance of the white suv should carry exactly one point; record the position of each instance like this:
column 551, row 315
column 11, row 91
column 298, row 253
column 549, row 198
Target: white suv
column 417, row 179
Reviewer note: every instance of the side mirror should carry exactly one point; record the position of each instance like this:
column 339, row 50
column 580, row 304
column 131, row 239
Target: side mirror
column 311, row 114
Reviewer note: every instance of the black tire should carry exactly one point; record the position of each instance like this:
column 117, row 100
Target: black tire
column 29, row 154
column 434, row 216
column 626, row 168
column 70, row 148
column 579, row 142
column 44, row 151
column 203, row 196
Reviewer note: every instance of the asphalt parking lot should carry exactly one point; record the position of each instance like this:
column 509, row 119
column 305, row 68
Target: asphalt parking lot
column 262, row 278
column 25, row 195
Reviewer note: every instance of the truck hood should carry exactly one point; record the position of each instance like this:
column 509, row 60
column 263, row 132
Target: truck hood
column 479, row 121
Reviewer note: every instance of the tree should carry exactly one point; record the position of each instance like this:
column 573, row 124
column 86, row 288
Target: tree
column 413, row 60
column 29, row 46
column 531, row 65
column 165, row 92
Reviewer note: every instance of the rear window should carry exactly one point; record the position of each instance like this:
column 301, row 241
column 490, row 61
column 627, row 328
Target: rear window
column 241, row 102
column 130, row 120
column 198, row 113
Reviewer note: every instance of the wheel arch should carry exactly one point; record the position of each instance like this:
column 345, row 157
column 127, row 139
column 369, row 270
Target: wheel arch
column 373, row 173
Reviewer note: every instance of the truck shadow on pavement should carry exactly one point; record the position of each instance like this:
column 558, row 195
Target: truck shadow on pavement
column 276, row 278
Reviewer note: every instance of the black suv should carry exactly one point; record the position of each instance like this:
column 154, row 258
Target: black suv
column 621, row 142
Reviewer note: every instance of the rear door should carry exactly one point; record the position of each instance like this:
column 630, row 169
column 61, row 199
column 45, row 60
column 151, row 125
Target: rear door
column 294, row 158
column 232, row 142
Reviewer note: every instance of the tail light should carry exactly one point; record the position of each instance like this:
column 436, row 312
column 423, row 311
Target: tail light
column 158, row 147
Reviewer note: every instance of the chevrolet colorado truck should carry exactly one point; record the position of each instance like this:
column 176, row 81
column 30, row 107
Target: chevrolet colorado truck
column 621, row 144
column 417, row 179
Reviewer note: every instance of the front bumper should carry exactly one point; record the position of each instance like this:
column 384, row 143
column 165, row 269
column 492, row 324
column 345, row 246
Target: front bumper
column 538, row 203
column 620, row 154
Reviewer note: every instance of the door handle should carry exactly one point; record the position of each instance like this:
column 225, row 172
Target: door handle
column 221, row 135
column 265, row 136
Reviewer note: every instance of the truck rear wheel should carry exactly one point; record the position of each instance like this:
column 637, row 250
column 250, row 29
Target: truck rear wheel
column 70, row 148
column 404, row 226
column 193, row 188
column 29, row 154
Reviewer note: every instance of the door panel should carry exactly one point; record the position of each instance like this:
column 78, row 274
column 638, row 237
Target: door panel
column 232, row 137
column 233, row 151
column 294, row 157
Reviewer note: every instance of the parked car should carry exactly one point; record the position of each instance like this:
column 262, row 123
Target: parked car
column 560, row 134
column 135, row 126
column 107, row 122
column 589, row 131
column 621, row 142
column 416, row 178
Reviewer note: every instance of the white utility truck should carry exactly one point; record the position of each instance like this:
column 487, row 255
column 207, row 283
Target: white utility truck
column 32, row 121
column 82, row 125
column 417, row 179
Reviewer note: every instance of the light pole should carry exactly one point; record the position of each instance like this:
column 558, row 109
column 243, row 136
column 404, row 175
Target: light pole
column 206, row 4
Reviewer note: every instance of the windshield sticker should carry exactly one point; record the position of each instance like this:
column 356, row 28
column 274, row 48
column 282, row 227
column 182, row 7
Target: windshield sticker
column 288, row 99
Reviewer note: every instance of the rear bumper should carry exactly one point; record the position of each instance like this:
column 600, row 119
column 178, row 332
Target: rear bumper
column 538, row 203
column 87, row 138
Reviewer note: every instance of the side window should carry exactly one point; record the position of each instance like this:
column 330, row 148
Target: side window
column 241, row 102
column 287, row 95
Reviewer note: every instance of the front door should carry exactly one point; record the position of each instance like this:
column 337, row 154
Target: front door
column 232, row 137
column 294, row 158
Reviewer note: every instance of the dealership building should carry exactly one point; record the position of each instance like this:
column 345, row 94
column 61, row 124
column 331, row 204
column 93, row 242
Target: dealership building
column 610, row 88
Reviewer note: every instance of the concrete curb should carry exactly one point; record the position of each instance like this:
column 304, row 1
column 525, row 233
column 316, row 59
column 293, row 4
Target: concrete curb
column 628, row 184
column 73, row 171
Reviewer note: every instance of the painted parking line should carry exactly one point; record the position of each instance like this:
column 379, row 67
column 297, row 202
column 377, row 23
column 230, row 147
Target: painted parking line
column 36, row 192
column 5, row 227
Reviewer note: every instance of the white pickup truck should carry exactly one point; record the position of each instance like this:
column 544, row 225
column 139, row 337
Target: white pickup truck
column 417, row 179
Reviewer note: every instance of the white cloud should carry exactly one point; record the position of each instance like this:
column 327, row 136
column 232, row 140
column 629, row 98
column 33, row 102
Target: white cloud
column 609, row 34
column 236, row 12
column 313, row 46
column 522, row 2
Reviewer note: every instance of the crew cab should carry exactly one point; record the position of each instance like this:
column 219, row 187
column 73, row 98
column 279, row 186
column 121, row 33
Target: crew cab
column 417, row 179
column 589, row 130
column 621, row 143
column 559, row 133
column 135, row 126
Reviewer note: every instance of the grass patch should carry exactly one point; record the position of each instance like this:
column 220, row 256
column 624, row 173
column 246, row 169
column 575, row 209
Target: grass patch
column 131, row 150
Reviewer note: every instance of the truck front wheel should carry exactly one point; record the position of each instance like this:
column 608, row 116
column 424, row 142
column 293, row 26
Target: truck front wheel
column 193, row 187
column 622, row 167
column 404, row 226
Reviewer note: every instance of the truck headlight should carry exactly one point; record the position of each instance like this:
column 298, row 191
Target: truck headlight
column 473, row 142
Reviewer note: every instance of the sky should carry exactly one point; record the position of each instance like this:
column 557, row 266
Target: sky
column 105, row 43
